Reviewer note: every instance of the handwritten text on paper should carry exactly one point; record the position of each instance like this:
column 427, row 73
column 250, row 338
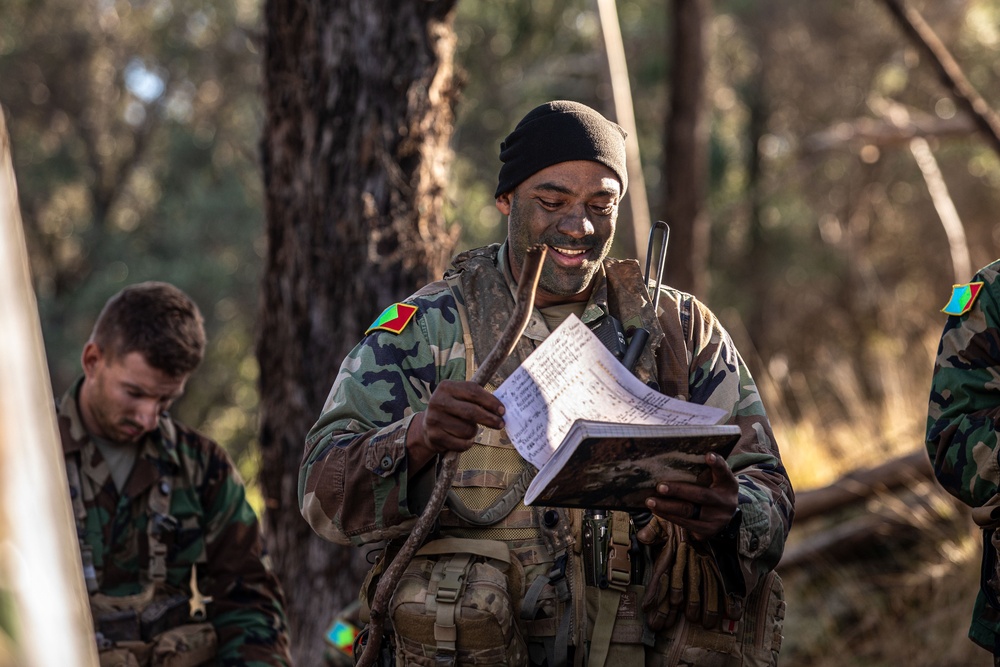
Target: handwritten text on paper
column 573, row 376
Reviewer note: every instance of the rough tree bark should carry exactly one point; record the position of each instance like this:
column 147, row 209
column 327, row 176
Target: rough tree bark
column 359, row 101
column 686, row 149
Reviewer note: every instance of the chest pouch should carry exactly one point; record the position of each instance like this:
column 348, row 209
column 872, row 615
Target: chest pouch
column 455, row 605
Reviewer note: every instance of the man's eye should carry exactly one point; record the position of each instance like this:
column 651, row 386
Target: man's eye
column 548, row 204
column 604, row 210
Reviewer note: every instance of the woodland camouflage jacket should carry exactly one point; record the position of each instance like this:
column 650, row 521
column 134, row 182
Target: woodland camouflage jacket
column 963, row 428
column 354, row 487
column 216, row 528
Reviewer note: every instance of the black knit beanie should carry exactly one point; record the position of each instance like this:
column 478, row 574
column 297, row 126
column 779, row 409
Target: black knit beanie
column 556, row 132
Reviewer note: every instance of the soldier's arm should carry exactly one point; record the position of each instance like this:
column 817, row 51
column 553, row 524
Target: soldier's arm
column 355, row 482
column 247, row 607
column 720, row 378
column 964, row 406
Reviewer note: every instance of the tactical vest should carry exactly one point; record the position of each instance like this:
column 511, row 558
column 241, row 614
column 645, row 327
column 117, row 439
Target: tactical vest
column 559, row 609
column 160, row 626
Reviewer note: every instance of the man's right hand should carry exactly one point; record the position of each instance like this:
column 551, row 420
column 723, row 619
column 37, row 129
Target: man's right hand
column 450, row 422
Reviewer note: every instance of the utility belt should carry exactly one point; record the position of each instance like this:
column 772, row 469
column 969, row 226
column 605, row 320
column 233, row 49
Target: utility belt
column 468, row 601
column 143, row 625
column 465, row 600
column 152, row 629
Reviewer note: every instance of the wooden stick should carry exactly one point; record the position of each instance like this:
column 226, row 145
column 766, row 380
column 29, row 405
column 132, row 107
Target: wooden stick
column 525, row 299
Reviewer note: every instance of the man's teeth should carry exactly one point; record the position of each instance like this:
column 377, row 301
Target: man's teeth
column 568, row 251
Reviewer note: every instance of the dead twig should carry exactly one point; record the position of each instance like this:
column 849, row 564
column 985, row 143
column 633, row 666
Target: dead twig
column 526, row 287
column 948, row 70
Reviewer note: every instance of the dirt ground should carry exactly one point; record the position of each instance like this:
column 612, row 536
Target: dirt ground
column 899, row 592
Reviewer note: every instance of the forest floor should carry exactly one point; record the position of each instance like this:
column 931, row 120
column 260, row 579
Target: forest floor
column 901, row 593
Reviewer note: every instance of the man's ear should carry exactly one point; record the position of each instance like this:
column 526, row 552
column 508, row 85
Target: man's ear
column 91, row 356
column 503, row 203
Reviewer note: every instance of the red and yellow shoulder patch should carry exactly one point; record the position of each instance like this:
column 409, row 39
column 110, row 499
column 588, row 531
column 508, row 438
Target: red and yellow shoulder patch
column 393, row 319
column 962, row 298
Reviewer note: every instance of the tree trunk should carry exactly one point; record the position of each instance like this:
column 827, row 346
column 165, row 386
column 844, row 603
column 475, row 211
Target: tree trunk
column 686, row 137
column 633, row 219
column 359, row 111
column 756, row 267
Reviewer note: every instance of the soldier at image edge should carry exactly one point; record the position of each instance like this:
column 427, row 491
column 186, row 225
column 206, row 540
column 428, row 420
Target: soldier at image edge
column 689, row 582
column 963, row 433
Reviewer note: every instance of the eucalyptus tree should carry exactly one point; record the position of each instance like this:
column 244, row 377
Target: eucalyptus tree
column 359, row 113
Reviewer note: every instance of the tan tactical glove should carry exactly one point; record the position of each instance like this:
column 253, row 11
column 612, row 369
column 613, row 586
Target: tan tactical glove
column 686, row 580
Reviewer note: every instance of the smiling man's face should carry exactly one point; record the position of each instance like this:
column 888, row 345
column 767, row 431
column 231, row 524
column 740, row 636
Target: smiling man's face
column 571, row 207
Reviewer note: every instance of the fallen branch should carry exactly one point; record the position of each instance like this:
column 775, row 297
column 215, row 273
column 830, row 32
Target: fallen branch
column 845, row 541
column 526, row 287
column 883, row 133
column 862, row 484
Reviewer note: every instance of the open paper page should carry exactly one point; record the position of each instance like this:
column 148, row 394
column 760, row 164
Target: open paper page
column 573, row 376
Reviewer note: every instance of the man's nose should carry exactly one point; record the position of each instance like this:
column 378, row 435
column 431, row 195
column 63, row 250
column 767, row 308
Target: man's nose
column 576, row 224
column 148, row 415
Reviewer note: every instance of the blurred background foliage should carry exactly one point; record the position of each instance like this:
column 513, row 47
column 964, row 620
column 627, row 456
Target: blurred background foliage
column 135, row 129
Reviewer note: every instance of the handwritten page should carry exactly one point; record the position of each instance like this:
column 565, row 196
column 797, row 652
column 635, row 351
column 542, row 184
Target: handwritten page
column 571, row 376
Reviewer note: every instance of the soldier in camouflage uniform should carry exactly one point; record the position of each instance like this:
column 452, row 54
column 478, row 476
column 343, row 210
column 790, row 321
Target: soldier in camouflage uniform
column 693, row 585
column 963, row 432
column 155, row 501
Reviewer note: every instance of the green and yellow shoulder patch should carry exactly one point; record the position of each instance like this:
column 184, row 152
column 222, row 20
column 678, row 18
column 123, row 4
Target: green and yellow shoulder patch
column 962, row 298
column 393, row 319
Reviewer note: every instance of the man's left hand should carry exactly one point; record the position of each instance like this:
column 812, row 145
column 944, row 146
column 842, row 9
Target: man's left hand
column 703, row 510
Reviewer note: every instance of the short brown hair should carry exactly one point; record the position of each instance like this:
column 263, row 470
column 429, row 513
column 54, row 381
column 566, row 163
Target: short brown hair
column 157, row 320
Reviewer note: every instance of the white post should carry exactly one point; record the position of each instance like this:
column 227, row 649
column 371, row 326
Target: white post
column 40, row 566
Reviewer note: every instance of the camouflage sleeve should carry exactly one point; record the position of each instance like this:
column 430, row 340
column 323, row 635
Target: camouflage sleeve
column 964, row 405
column 247, row 608
column 720, row 378
column 353, row 482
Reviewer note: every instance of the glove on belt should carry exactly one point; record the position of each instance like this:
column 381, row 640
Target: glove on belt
column 686, row 580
